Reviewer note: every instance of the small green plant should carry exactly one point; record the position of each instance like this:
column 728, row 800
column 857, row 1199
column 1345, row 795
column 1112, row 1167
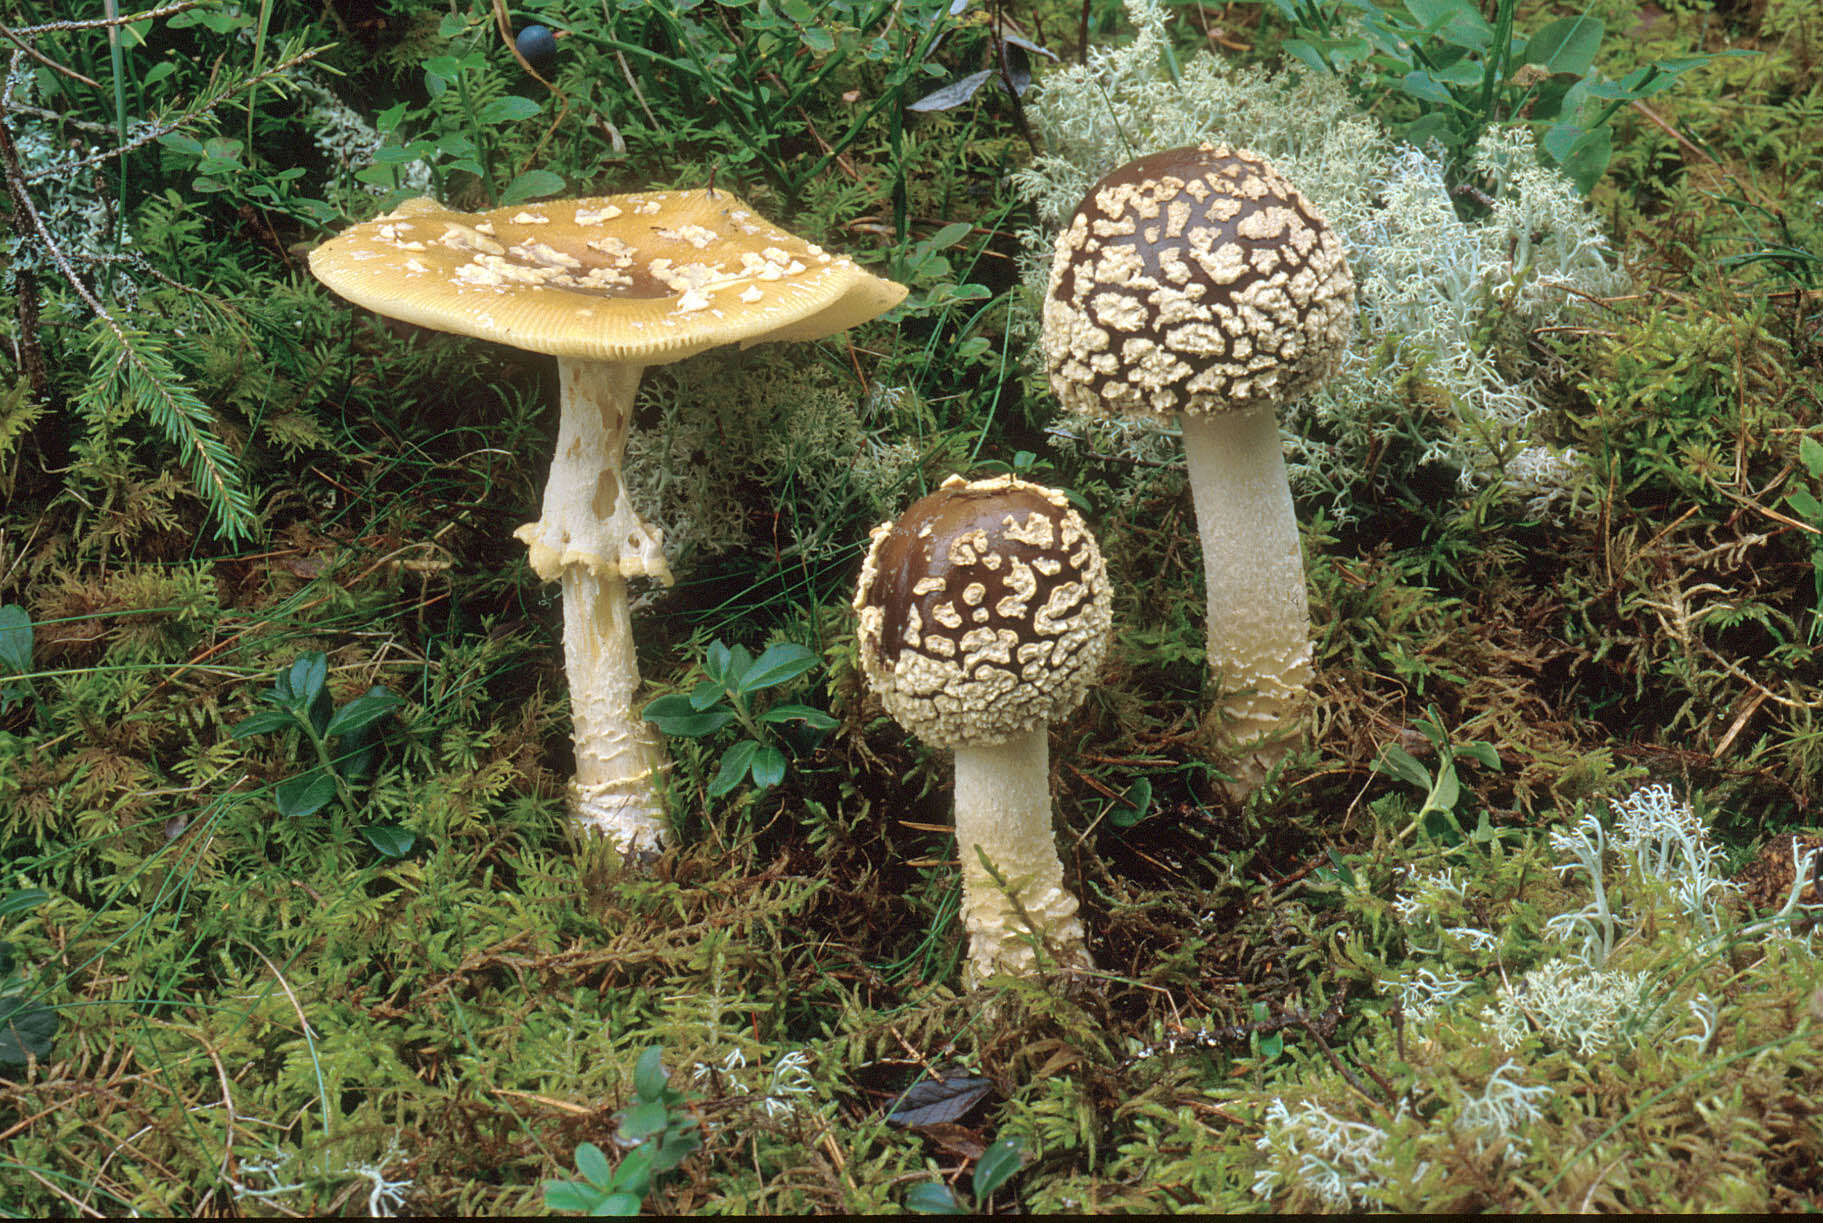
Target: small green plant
column 734, row 677
column 300, row 701
column 462, row 128
column 1804, row 503
column 26, row 1025
column 1442, row 790
column 661, row 1133
column 995, row 1167
column 15, row 655
column 1465, row 72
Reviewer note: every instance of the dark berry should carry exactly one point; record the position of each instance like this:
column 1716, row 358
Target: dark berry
column 539, row 47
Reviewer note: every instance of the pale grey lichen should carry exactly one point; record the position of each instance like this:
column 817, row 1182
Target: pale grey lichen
column 1653, row 875
column 1332, row 1157
column 1568, row 1004
column 345, row 137
column 75, row 204
column 1503, row 1105
column 1452, row 298
column 725, row 440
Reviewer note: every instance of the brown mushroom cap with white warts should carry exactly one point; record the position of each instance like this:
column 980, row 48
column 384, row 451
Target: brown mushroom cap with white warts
column 984, row 611
column 1195, row 280
column 649, row 277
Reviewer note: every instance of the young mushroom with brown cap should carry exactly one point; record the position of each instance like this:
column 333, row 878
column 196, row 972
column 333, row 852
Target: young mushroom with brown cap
column 984, row 616
column 608, row 286
column 1198, row 283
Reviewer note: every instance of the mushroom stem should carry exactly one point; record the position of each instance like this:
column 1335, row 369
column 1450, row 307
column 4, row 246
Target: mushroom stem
column 618, row 757
column 1258, row 622
column 1003, row 809
column 590, row 538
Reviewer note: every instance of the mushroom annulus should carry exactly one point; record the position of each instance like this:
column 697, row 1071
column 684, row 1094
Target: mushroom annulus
column 607, row 285
column 983, row 617
column 1198, row 283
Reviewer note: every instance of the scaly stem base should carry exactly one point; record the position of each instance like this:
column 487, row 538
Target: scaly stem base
column 1003, row 811
column 1258, row 622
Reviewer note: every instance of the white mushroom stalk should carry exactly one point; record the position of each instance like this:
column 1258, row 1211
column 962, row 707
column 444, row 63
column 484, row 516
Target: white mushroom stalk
column 984, row 616
column 608, row 286
column 1257, row 610
column 1197, row 284
column 1003, row 815
column 592, row 540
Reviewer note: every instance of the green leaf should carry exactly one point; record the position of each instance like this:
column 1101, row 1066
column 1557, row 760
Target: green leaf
column 1421, row 85
column 707, row 694
column 1810, row 450
column 1456, row 22
column 634, row 1175
column 305, row 794
column 1395, row 761
column 16, row 639
column 1344, row 872
column 507, row 109
column 263, row 723
column 363, row 711
column 1568, row 44
column 716, row 660
column 780, row 664
column 1549, row 96
column 1806, row 505
column 308, row 673
column 932, row 1198
column 322, row 708
column 1315, row 60
column 1444, row 794
column 948, row 236
column 768, row 767
column 568, row 1195
column 674, row 715
column 22, row 901
column 735, row 763
column 643, row 1120
column 26, row 1028
column 389, row 839
column 649, row 1077
column 674, row 1145
column 620, row 1205
column 1485, row 754
column 530, row 185
column 594, row 1166
column 998, row 1163
column 1465, row 71
column 1583, row 155
column 812, row 717
column 1133, row 806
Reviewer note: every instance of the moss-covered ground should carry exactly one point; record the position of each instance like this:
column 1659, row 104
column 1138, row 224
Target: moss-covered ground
column 1382, row 981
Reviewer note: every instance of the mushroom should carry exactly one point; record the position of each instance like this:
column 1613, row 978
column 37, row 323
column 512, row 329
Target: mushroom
column 984, row 615
column 607, row 285
column 1198, row 283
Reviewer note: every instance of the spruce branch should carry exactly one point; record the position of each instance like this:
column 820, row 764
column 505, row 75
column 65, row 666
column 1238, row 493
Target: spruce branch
column 210, row 100
column 129, row 369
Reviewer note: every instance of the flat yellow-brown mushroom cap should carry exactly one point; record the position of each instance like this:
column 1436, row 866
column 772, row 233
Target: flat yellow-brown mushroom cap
column 651, row 277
